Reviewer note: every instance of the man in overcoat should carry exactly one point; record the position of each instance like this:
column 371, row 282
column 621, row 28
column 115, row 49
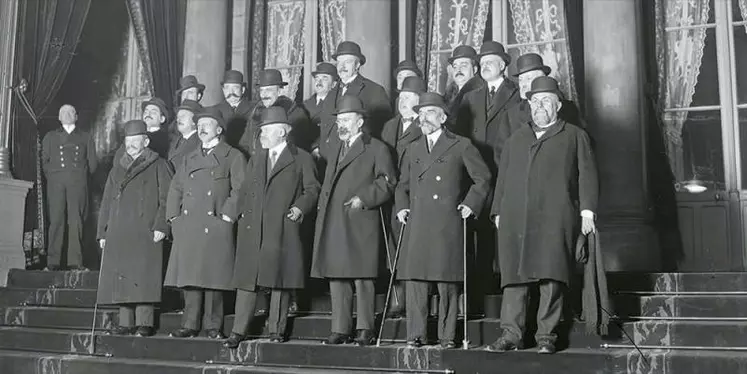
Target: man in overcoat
column 202, row 207
column 321, row 106
column 398, row 133
column 443, row 181
column 155, row 114
column 132, row 226
column 187, row 140
column 464, row 78
column 236, row 107
column 545, row 198
column 360, row 178
column 68, row 158
column 280, row 189
column 190, row 89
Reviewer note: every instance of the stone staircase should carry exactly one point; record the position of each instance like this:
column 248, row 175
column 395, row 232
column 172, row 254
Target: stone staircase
column 681, row 323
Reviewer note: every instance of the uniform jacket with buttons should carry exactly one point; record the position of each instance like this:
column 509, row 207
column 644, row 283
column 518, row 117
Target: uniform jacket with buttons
column 432, row 185
column 63, row 152
column 204, row 188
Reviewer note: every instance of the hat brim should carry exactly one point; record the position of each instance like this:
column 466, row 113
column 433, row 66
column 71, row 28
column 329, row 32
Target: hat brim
column 232, row 82
column 556, row 92
column 360, row 56
column 545, row 69
column 505, row 56
column 266, row 123
column 416, row 108
column 359, row 111
column 281, row 84
column 163, row 109
column 199, row 116
column 452, row 59
column 200, row 88
column 195, row 111
column 315, row 73
column 412, row 69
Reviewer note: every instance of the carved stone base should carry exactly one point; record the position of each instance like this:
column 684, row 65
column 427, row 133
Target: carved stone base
column 12, row 198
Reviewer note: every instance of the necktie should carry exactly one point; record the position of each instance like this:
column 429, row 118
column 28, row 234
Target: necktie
column 430, row 145
column 344, row 88
column 492, row 94
column 273, row 159
column 206, row 151
column 344, row 150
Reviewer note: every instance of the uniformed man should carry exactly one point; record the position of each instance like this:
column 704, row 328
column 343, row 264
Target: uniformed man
column 538, row 215
column 359, row 179
column 321, row 105
column 155, row 114
column 68, row 158
column 270, row 82
column 279, row 190
column 187, row 140
column 236, row 108
column 443, row 181
column 398, row 133
column 202, row 207
column 406, row 68
column 131, row 229
column 464, row 78
column 190, row 89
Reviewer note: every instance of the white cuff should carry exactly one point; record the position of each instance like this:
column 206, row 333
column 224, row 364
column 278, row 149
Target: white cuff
column 588, row 214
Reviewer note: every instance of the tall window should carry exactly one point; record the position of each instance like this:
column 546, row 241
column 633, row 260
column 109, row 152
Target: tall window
column 286, row 42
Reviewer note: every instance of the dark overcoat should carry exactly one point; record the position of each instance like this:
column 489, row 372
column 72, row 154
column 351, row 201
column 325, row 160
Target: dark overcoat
column 347, row 241
column 270, row 252
column 454, row 97
column 180, row 148
column 542, row 186
column 203, row 189
column 375, row 100
column 301, row 134
column 432, row 186
column 132, row 208
column 322, row 115
column 237, row 120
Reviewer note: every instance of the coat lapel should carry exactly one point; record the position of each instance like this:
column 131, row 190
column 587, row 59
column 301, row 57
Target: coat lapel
column 412, row 132
column 554, row 130
column 198, row 161
column 284, row 160
column 501, row 98
column 443, row 144
column 480, row 105
column 355, row 151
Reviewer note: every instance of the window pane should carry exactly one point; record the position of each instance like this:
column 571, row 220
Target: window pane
column 684, row 49
column 689, row 13
column 740, row 57
column 554, row 55
column 694, row 147
column 533, row 21
column 739, row 10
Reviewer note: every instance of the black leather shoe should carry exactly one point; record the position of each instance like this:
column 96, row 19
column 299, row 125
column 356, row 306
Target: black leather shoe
column 184, row 333
column 233, row 341
column 414, row 343
column 277, row 338
column 503, row 344
column 214, row 334
column 121, row 330
column 546, row 348
column 447, row 344
column 364, row 338
column 337, row 338
column 145, row 331
column 396, row 313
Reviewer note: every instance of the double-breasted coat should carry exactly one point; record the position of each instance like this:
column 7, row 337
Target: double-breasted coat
column 432, row 186
column 180, row 148
column 542, row 186
column 237, row 120
column 302, row 135
column 269, row 252
column 347, row 241
column 374, row 98
column 204, row 188
column 132, row 208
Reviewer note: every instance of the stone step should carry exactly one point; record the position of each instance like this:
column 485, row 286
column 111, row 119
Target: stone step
column 47, row 296
column 677, row 282
column 717, row 334
column 679, row 306
column 53, row 279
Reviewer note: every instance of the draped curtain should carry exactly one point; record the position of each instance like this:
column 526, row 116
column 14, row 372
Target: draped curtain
column 422, row 23
column 332, row 23
column 453, row 23
column 49, row 32
column 679, row 55
column 286, row 41
column 743, row 11
column 257, row 42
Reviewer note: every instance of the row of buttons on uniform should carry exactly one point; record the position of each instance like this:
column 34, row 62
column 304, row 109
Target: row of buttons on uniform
column 62, row 154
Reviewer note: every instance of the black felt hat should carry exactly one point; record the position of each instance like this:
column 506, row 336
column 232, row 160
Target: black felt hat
column 349, row 48
column 529, row 62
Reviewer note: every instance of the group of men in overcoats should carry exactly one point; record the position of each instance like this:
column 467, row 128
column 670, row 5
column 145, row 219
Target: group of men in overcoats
column 236, row 181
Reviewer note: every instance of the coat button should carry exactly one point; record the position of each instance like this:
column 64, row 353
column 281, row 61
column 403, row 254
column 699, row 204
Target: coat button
column 212, row 173
column 185, row 212
column 63, row 165
column 248, row 227
column 210, row 193
column 438, row 177
column 62, row 159
column 210, row 212
column 60, row 147
column 435, row 197
column 192, row 175
column 76, row 147
column 206, row 230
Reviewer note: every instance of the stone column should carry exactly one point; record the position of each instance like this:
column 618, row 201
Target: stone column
column 205, row 45
column 615, row 110
column 8, row 28
column 367, row 22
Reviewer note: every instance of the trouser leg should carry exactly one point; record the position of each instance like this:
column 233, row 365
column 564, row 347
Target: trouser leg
column 77, row 206
column 144, row 315
column 341, row 293
column 246, row 305
column 126, row 315
column 56, row 203
column 514, row 311
column 193, row 300
column 550, row 310
column 212, row 319
column 417, row 310
column 278, row 314
column 365, row 304
column 447, row 310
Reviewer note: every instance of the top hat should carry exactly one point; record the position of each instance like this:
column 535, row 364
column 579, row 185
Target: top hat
column 211, row 112
column 431, row 99
column 188, row 81
column 494, row 48
column 233, row 76
column 158, row 103
column 350, row 103
column 407, row 65
column 270, row 77
column 530, row 61
column 544, row 84
column 273, row 115
column 135, row 127
column 349, row 48
column 413, row 84
column 463, row 51
column 325, row 68
column 191, row 106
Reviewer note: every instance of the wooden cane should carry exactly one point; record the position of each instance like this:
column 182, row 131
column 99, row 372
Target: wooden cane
column 391, row 282
column 465, row 341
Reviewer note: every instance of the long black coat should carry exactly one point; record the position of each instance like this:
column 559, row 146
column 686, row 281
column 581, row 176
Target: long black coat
column 323, row 117
column 454, row 97
column 375, row 101
column 543, row 184
column 269, row 251
column 432, row 186
column 180, row 148
column 237, row 121
column 132, row 208
column 301, row 134
column 347, row 241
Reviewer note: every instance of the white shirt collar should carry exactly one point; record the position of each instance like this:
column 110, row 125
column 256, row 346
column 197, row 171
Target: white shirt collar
column 69, row 128
column 351, row 79
column 353, row 139
column 189, row 135
column 153, row 129
column 495, row 84
column 211, row 143
column 319, row 99
column 433, row 137
column 278, row 149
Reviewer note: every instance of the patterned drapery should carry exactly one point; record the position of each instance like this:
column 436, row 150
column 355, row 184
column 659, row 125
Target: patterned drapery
column 678, row 55
column 454, row 22
column 286, row 41
column 332, row 22
column 743, row 11
column 540, row 27
column 422, row 20
column 138, row 22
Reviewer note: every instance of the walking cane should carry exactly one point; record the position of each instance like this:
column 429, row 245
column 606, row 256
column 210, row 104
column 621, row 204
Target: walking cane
column 465, row 341
column 92, row 349
column 391, row 282
column 388, row 256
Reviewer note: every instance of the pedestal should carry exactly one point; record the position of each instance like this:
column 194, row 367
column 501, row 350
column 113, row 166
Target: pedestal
column 205, row 46
column 12, row 198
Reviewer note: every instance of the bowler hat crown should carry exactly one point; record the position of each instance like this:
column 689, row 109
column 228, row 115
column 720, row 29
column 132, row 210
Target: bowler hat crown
column 431, row 99
column 413, row 84
column 544, row 84
column 530, row 61
column 135, row 127
column 270, row 77
column 158, row 103
column 463, row 51
column 407, row 65
column 233, row 76
column 211, row 112
column 494, row 48
column 350, row 103
column 188, row 81
column 349, row 48
column 325, row 68
column 274, row 114
column 191, row 106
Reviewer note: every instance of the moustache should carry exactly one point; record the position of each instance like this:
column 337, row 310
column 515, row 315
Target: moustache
column 149, row 117
column 265, row 98
column 459, row 74
column 230, row 95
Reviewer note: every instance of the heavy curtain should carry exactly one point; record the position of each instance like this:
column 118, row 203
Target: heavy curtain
column 49, row 32
column 678, row 55
column 422, row 28
column 332, row 24
column 286, row 41
column 257, row 43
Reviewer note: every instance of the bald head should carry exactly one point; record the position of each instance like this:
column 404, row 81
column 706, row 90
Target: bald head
column 68, row 115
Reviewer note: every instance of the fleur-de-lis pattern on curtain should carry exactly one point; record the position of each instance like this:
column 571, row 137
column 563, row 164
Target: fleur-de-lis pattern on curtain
column 332, row 23
column 286, row 41
column 454, row 22
column 539, row 26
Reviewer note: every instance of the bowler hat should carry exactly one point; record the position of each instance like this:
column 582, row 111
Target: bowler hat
column 211, row 112
column 233, row 76
column 270, row 77
column 463, row 51
column 349, row 48
column 158, row 103
column 350, row 103
column 431, row 99
column 544, row 84
column 325, row 68
column 135, row 127
column 494, row 48
column 407, row 65
column 413, row 84
column 191, row 106
column 188, row 81
column 530, row 61
column 274, row 114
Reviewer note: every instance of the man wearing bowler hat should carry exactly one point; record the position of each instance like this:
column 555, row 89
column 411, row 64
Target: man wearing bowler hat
column 321, row 106
column 280, row 189
column 131, row 229
column 202, row 207
column 443, row 181
column 360, row 177
column 187, row 140
column 155, row 114
column 540, row 214
column 375, row 100
column 406, row 68
column 270, row 83
column 190, row 89
column 235, row 108
column 464, row 78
